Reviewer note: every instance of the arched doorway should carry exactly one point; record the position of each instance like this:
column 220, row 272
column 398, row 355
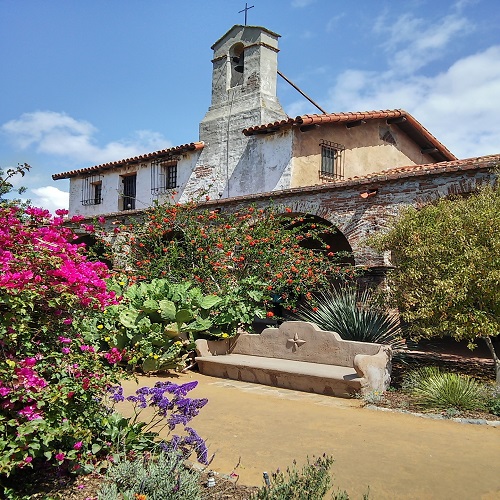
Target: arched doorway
column 332, row 238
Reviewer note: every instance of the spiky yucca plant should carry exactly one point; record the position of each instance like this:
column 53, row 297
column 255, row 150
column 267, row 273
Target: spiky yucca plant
column 354, row 315
column 433, row 388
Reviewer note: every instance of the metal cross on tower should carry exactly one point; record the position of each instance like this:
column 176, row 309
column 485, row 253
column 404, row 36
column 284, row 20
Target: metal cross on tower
column 245, row 10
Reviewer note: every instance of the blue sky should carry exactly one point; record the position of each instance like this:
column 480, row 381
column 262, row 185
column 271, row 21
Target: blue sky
column 86, row 82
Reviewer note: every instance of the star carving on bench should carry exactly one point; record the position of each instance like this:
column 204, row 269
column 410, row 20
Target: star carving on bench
column 296, row 341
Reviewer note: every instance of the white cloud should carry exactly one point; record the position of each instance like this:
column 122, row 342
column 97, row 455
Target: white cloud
column 460, row 5
column 333, row 22
column 298, row 108
column 306, row 35
column 460, row 106
column 413, row 42
column 301, row 3
column 59, row 134
column 50, row 198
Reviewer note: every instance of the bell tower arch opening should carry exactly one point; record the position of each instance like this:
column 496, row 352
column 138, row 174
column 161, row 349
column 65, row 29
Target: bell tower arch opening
column 244, row 82
column 245, row 57
column 237, row 64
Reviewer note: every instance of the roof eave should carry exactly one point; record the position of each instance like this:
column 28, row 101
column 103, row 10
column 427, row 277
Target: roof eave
column 176, row 150
column 408, row 124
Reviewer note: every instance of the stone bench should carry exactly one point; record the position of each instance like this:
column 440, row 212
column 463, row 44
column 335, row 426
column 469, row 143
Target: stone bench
column 298, row 355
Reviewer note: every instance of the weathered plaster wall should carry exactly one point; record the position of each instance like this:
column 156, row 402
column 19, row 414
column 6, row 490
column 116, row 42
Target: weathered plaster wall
column 263, row 166
column 366, row 150
column 232, row 164
column 112, row 187
column 357, row 218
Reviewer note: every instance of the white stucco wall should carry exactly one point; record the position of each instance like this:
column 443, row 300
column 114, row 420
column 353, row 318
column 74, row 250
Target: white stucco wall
column 264, row 166
column 112, row 187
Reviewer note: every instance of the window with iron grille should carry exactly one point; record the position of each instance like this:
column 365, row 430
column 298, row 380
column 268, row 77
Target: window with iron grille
column 129, row 191
column 332, row 160
column 97, row 193
column 163, row 176
column 92, row 190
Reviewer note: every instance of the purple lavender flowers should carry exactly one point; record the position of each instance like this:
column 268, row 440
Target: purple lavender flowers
column 171, row 408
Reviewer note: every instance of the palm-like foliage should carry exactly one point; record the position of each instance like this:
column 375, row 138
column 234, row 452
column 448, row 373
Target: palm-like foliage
column 433, row 388
column 354, row 315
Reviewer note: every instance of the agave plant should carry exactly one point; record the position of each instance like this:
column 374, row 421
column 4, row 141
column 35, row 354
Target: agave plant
column 354, row 315
column 433, row 388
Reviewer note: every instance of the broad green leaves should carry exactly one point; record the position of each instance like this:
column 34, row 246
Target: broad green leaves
column 157, row 322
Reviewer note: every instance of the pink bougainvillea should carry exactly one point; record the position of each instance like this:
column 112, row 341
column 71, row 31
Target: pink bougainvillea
column 38, row 253
column 114, row 355
column 51, row 377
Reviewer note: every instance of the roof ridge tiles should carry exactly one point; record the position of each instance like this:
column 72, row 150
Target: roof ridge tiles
column 343, row 117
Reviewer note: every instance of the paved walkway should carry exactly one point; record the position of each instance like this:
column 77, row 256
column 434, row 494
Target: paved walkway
column 398, row 456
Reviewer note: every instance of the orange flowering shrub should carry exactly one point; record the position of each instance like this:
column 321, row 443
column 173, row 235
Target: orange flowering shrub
column 254, row 259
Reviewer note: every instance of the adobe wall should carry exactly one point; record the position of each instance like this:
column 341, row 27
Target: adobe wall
column 369, row 148
column 358, row 217
column 112, row 187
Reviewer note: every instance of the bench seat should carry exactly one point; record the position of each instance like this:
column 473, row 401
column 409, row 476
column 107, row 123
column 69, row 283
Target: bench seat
column 299, row 375
column 298, row 355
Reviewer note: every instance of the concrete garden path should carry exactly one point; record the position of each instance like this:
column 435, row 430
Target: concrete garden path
column 398, row 456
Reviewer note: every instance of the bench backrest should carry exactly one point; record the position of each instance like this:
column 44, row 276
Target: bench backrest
column 303, row 341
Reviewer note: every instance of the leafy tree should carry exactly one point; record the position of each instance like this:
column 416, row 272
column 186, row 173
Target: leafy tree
column 6, row 186
column 447, row 277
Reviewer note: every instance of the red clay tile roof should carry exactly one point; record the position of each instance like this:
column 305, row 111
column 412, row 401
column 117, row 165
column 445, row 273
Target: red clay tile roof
column 491, row 161
column 177, row 150
column 408, row 124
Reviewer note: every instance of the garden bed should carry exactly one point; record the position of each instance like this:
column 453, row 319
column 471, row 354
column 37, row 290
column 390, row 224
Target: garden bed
column 448, row 356
column 50, row 483
column 47, row 483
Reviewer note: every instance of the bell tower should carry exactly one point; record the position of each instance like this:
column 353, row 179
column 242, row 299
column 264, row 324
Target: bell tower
column 244, row 76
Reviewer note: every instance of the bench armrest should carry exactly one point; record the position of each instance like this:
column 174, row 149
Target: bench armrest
column 375, row 370
column 206, row 348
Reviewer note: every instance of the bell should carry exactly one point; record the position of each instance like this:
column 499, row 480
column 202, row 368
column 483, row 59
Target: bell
column 239, row 64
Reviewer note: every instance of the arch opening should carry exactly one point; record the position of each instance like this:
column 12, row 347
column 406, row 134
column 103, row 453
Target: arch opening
column 237, row 61
column 96, row 250
column 332, row 240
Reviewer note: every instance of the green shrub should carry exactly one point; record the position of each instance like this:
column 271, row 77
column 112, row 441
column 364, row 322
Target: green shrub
column 354, row 315
column 494, row 405
column 156, row 322
column 413, row 379
column 251, row 258
column 157, row 477
column 432, row 388
column 311, row 483
column 447, row 257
